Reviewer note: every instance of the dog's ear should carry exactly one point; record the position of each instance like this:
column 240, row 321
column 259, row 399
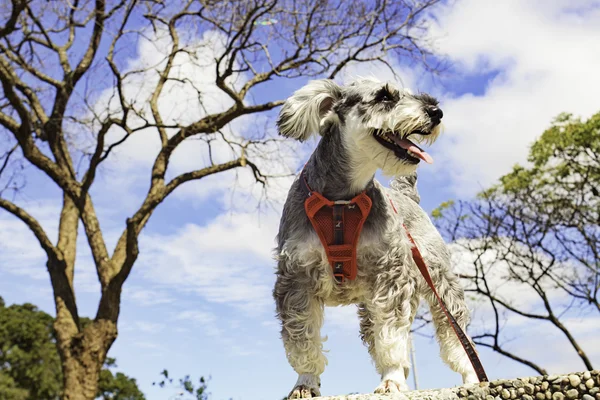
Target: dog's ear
column 302, row 113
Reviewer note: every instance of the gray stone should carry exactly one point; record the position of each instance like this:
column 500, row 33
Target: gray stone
column 574, row 380
column 532, row 388
column 587, row 375
column 518, row 384
column 551, row 377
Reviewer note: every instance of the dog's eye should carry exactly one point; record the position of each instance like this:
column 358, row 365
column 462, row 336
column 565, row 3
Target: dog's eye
column 385, row 95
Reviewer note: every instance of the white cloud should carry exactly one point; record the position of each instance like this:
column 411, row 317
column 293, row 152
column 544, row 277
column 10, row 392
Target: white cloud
column 343, row 318
column 521, row 296
column 546, row 58
column 528, row 338
column 20, row 252
column 229, row 260
column 206, row 320
column 142, row 326
column 189, row 95
column 144, row 344
column 145, row 297
column 401, row 75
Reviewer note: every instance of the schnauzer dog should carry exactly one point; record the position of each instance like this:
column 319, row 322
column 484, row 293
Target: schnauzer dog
column 364, row 127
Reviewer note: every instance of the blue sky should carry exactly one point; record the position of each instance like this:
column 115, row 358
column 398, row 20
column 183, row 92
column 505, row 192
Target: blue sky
column 199, row 298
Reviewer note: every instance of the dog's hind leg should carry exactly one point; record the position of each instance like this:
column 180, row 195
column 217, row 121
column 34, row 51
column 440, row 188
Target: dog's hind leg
column 385, row 321
column 451, row 350
column 301, row 316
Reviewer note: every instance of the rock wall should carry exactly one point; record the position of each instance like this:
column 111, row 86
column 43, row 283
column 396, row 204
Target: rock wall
column 576, row 386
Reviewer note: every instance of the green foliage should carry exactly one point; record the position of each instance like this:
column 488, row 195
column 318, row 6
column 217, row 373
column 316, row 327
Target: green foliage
column 9, row 389
column 186, row 388
column 537, row 228
column 439, row 211
column 118, row 387
column 563, row 182
column 30, row 367
column 28, row 353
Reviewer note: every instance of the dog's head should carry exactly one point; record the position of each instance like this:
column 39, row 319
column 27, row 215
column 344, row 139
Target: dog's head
column 379, row 123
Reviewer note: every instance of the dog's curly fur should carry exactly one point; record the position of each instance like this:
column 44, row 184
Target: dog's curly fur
column 389, row 286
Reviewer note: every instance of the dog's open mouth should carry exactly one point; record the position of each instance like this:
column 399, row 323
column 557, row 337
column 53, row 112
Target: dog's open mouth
column 402, row 147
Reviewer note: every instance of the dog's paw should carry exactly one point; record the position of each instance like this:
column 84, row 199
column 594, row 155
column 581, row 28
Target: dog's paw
column 391, row 386
column 470, row 378
column 303, row 392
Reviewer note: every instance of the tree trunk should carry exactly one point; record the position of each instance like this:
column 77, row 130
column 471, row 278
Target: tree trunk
column 83, row 356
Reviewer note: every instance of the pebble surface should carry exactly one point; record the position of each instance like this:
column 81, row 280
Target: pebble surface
column 584, row 386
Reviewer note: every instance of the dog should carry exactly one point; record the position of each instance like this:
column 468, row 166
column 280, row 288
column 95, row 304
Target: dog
column 365, row 126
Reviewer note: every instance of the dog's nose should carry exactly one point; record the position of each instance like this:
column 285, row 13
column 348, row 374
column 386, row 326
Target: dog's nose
column 435, row 114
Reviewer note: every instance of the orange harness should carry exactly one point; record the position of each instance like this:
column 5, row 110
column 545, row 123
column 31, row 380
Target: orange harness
column 339, row 223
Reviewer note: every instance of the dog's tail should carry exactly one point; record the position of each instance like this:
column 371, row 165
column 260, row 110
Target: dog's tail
column 406, row 185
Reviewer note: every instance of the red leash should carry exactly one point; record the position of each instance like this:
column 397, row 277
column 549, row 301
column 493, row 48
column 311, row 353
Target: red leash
column 464, row 340
column 462, row 337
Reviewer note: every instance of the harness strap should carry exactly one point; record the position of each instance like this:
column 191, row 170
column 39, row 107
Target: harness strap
column 338, row 239
column 338, row 225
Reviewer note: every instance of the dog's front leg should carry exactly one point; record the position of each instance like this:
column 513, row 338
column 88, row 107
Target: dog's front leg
column 301, row 316
column 385, row 321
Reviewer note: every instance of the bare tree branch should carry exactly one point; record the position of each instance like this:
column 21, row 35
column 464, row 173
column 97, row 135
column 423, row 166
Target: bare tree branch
column 31, row 223
column 73, row 98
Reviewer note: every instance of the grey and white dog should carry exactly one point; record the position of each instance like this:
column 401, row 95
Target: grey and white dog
column 364, row 127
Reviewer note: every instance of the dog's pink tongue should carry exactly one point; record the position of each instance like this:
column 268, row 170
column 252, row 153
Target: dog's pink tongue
column 408, row 145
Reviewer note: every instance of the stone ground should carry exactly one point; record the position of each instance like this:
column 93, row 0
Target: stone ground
column 575, row 386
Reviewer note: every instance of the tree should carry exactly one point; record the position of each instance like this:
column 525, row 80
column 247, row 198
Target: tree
column 55, row 55
column 9, row 389
column 536, row 234
column 117, row 386
column 30, row 364
column 185, row 387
